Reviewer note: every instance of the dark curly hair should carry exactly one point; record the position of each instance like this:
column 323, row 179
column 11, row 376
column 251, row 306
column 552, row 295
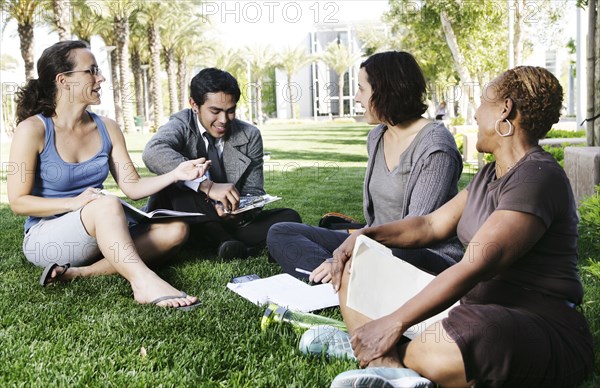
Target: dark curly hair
column 398, row 85
column 536, row 94
column 39, row 95
column 213, row 80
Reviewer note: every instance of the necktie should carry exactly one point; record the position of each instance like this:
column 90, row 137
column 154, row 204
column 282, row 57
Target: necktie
column 217, row 171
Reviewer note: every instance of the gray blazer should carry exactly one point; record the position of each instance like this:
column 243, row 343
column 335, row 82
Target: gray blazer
column 179, row 140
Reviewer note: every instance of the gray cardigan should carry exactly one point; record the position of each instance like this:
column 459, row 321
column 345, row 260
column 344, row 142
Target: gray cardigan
column 179, row 140
column 437, row 153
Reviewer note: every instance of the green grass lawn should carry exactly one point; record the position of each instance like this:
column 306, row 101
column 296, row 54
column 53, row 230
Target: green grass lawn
column 91, row 332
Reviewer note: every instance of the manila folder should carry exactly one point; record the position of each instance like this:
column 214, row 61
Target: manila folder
column 380, row 283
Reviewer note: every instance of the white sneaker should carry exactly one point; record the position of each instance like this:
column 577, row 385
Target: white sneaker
column 381, row 378
column 326, row 339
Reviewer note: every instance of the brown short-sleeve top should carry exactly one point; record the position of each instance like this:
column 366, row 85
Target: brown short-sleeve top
column 536, row 185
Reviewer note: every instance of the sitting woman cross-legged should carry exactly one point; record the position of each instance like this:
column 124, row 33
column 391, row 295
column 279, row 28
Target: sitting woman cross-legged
column 518, row 284
column 413, row 169
column 61, row 154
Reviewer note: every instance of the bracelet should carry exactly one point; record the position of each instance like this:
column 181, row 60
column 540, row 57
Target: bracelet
column 210, row 184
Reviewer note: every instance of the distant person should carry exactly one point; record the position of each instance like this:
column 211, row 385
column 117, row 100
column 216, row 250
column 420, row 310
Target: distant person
column 413, row 169
column 441, row 111
column 63, row 154
column 235, row 149
column 518, row 324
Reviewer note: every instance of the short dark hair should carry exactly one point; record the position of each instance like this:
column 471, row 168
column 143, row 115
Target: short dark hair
column 536, row 94
column 213, row 80
column 398, row 84
column 39, row 95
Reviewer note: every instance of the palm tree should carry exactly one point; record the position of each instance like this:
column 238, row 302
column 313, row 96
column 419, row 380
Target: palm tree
column 23, row 11
column 262, row 60
column 151, row 14
column 190, row 45
column 291, row 60
column 169, row 32
column 86, row 20
column 339, row 57
column 105, row 31
column 61, row 18
column 138, row 43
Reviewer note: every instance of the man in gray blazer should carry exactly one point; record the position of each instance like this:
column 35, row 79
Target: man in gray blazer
column 209, row 129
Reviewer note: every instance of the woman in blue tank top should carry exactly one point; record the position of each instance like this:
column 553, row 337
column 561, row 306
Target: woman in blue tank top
column 62, row 154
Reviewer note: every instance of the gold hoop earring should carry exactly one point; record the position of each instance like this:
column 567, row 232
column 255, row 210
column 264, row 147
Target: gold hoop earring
column 510, row 128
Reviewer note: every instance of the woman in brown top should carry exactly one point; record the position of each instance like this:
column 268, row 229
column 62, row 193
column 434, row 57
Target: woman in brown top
column 517, row 324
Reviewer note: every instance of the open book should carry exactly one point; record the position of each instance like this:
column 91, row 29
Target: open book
column 287, row 291
column 254, row 201
column 138, row 215
column 380, row 283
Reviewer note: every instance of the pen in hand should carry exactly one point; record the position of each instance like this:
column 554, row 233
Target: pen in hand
column 306, row 273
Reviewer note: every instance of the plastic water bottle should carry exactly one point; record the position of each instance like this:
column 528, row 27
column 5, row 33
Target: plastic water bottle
column 299, row 320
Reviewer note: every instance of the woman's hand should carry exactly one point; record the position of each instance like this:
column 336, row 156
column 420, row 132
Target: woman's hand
column 375, row 339
column 191, row 169
column 322, row 273
column 88, row 195
column 340, row 256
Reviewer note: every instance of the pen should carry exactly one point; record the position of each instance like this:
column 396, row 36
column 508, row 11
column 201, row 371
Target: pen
column 303, row 271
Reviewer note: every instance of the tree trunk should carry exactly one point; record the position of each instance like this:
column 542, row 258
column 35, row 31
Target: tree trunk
column 138, row 78
column 62, row 18
column 459, row 65
column 121, row 29
column 25, row 31
column 171, row 80
column 290, row 97
column 341, row 94
column 183, row 83
column 114, row 73
column 155, row 84
column 596, row 56
column 259, row 112
column 518, row 37
column 593, row 81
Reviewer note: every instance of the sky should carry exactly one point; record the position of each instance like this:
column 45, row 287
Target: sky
column 239, row 23
column 285, row 23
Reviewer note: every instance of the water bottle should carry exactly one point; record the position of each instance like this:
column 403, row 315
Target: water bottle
column 299, row 320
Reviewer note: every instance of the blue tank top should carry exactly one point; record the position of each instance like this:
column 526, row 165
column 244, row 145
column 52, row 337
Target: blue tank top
column 55, row 178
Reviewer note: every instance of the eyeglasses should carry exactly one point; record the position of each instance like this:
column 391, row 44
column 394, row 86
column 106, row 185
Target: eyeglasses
column 93, row 70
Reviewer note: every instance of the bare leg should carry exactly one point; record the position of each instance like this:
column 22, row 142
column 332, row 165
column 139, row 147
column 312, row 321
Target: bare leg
column 104, row 219
column 354, row 320
column 152, row 245
column 436, row 356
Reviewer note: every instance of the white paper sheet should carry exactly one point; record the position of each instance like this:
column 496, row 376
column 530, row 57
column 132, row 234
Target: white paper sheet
column 285, row 290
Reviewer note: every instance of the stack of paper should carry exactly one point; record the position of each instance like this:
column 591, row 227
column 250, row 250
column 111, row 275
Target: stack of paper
column 380, row 283
column 287, row 291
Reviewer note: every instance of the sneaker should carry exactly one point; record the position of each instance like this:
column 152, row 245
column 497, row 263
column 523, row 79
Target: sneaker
column 381, row 378
column 326, row 339
column 232, row 249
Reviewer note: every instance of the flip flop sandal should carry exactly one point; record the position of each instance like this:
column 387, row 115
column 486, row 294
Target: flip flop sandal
column 47, row 279
column 182, row 308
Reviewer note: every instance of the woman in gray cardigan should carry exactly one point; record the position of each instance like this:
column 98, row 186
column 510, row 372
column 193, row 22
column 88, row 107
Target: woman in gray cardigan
column 413, row 169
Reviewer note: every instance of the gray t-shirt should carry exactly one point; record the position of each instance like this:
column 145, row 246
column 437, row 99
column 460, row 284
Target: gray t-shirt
column 387, row 187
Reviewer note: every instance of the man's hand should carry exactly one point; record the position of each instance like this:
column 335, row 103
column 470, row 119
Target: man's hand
column 226, row 193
